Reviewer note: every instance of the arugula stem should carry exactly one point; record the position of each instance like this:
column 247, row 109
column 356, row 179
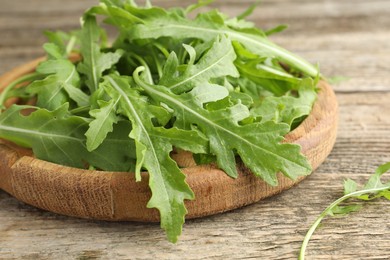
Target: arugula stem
column 22, row 79
column 163, row 50
column 328, row 210
column 144, row 64
column 158, row 64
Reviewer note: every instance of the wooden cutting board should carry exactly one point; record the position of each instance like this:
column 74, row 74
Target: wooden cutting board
column 116, row 196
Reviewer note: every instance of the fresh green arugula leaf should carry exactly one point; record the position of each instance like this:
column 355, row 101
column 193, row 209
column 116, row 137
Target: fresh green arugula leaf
column 248, row 11
column 217, row 62
column 94, row 61
column 287, row 108
column 104, row 119
column 198, row 5
column 167, row 182
column 236, row 24
column 154, row 23
column 251, row 89
column 267, row 77
column 63, row 42
column 349, row 186
column 54, row 51
column 62, row 82
column 373, row 189
column 257, row 144
column 77, row 95
column 183, row 139
column 276, row 29
column 56, row 137
column 344, row 210
column 115, row 13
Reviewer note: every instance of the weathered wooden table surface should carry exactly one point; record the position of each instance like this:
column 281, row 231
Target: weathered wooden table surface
column 349, row 38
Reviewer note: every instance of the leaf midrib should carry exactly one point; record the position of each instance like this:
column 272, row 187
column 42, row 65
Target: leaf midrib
column 38, row 133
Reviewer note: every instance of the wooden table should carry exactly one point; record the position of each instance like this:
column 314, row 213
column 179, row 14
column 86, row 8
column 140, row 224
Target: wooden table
column 349, row 38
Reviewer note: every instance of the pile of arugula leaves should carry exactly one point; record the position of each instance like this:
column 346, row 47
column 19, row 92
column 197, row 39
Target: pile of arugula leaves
column 213, row 85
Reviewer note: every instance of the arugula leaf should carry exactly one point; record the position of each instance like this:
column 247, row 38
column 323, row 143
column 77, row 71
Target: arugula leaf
column 200, row 4
column 287, row 108
column 64, row 42
column 248, row 11
column 54, row 51
column 216, row 62
column 57, row 39
column 154, row 23
column 373, row 189
column 94, row 61
column 257, row 144
column 264, row 72
column 59, row 138
column 63, row 81
column 167, row 182
column 105, row 117
column 276, row 29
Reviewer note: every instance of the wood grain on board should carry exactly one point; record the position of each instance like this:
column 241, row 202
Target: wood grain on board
column 348, row 38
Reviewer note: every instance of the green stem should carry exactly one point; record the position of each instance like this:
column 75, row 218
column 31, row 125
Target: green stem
column 328, row 210
column 22, row 79
column 144, row 64
column 158, row 63
column 162, row 49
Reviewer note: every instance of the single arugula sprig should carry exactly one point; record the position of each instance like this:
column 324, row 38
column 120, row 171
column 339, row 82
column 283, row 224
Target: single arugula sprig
column 373, row 189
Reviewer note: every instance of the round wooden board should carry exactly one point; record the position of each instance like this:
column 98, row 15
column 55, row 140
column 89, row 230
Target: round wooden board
column 116, row 196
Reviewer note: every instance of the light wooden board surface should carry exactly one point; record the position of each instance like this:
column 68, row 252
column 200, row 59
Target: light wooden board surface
column 349, row 38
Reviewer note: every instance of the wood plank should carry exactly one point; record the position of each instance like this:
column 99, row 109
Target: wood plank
column 348, row 38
